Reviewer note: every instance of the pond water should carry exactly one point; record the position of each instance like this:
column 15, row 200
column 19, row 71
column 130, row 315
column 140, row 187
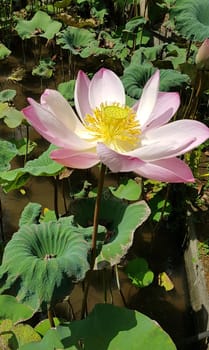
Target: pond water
column 163, row 249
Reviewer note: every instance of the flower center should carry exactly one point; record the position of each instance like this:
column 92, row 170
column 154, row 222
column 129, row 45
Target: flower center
column 114, row 125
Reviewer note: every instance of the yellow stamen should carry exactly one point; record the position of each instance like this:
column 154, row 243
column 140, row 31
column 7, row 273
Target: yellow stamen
column 114, row 125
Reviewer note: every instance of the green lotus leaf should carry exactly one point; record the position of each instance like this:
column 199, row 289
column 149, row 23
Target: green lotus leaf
column 7, row 95
column 41, row 24
column 128, row 189
column 107, row 327
column 14, row 336
column 45, row 69
column 139, row 272
column 7, row 152
column 4, row 51
column 24, row 146
column 191, row 18
column 67, row 90
column 30, row 214
column 43, row 165
column 75, row 39
column 11, row 309
column 121, row 220
column 13, row 179
column 135, row 78
column 134, row 24
column 12, row 117
column 42, row 262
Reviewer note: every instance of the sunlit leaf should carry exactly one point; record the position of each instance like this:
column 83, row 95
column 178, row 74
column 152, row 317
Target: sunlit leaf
column 11, row 308
column 139, row 272
column 14, row 336
column 165, row 281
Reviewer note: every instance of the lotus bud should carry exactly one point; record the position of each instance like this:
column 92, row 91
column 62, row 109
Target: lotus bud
column 202, row 57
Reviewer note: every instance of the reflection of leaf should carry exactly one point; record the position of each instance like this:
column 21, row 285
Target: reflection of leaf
column 41, row 24
column 165, row 281
column 75, row 39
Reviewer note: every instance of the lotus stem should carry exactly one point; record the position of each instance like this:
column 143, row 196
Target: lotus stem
column 96, row 214
column 50, row 318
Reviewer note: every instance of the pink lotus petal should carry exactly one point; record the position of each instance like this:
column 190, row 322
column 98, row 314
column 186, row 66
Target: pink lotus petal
column 166, row 106
column 176, row 138
column 148, row 99
column 106, row 87
column 51, row 128
column 168, row 170
column 72, row 159
column 55, row 103
column 81, row 95
column 115, row 161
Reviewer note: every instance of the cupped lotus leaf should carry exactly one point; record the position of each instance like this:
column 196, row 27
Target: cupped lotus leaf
column 40, row 25
column 30, row 214
column 135, row 78
column 12, row 117
column 43, row 165
column 191, row 18
column 75, row 39
column 121, row 220
column 13, row 179
column 11, row 309
column 42, row 262
column 4, row 51
column 7, row 152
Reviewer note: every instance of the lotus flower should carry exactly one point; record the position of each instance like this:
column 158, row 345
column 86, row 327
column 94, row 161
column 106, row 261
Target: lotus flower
column 138, row 139
column 202, row 57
